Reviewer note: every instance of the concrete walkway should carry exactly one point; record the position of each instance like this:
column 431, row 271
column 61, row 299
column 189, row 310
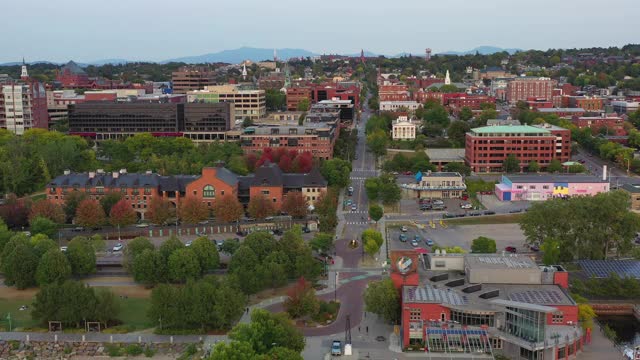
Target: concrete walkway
column 600, row 348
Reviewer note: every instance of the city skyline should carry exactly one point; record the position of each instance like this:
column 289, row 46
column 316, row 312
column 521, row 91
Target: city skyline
column 140, row 31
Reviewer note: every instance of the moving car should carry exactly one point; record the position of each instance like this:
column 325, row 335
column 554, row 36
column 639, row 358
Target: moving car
column 511, row 249
column 429, row 242
column 336, row 348
column 354, row 207
column 118, row 247
column 403, row 237
column 403, row 228
column 414, row 243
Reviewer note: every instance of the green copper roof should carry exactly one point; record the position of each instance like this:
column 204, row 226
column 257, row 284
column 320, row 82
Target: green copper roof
column 518, row 129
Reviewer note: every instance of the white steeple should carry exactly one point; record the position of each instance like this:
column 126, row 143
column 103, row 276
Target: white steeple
column 447, row 79
column 24, row 75
column 244, row 71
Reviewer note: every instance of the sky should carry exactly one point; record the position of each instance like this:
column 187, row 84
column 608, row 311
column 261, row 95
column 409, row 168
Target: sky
column 155, row 30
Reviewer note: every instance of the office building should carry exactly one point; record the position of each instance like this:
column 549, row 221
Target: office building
column 247, row 103
column 435, row 185
column 487, row 147
column 297, row 94
column 521, row 88
column 406, row 106
column 624, row 107
column 105, row 120
column 189, row 78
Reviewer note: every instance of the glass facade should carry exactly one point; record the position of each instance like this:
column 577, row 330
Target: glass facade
column 525, row 324
column 473, row 319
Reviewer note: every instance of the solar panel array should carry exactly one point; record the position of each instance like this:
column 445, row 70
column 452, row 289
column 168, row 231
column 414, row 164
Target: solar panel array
column 604, row 268
column 537, row 297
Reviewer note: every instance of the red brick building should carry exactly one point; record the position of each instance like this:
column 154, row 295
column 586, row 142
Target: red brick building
column 329, row 91
column 214, row 182
column 295, row 95
column 522, row 88
column 487, row 147
column 562, row 112
column 613, row 124
column 456, row 101
column 398, row 92
column 72, row 76
column 589, row 104
column 539, row 103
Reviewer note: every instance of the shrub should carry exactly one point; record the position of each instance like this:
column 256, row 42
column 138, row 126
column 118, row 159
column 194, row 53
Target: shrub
column 113, row 350
column 133, row 350
column 191, row 349
column 149, row 352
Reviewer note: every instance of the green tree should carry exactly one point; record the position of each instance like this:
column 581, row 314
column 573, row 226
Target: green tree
column 109, row 199
column 465, row 113
column 533, row 166
column 136, row 246
column 53, row 267
column 372, row 241
column 375, row 212
column 322, row 242
column 550, row 251
column 511, row 164
column 247, row 122
column 483, row 245
column 245, row 266
column 554, row 166
column 147, row 267
column 169, row 246
column 461, row 168
column 268, row 330
column 229, row 246
column 41, row 225
column 234, row 350
column 41, row 244
column 107, row 308
column 303, row 105
column 71, row 202
column 183, row 265
column 382, row 298
column 336, row 172
column 71, row 303
column 82, row 256
column 19, row 265
column 457, row 132
column 207, row 254
column 377, row 142
column 5, row 234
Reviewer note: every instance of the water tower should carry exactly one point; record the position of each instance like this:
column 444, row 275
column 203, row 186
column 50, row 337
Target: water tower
column 427, row 54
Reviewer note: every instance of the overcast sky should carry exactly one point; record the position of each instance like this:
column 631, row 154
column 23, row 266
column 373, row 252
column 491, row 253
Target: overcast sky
column 89, row 30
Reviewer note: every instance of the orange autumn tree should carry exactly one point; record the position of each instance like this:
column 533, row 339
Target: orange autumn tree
column 122, row 214
column 192, row 210
column 295, row 204
column 90, row 214
column 227, row 208
column 302, row 300
column 47, row 209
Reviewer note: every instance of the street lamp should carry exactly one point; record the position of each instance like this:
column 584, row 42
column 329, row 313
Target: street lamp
column 335, row 287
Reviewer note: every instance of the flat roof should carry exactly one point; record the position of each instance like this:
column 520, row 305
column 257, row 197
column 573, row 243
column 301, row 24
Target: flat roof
column 632, row 188
column 542, row 178
column 534, row 307
column 440, row 174
column 498, row 261
column 431, row 294
column 520, row 129
column 445, row 154
column 553, row 110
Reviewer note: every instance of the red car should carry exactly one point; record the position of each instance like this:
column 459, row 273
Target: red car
column 407, row 173
column 511, row 249
column 464, row 197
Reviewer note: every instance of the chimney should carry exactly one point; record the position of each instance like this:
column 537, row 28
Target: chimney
column 123, row 171
column 67, row 172
column 604, row 172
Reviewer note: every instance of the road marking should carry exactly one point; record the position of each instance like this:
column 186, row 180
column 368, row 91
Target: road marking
column 357, row 223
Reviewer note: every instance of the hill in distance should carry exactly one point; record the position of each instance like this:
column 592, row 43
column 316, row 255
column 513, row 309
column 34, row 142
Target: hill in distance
column 235, row 56
column 482, row 50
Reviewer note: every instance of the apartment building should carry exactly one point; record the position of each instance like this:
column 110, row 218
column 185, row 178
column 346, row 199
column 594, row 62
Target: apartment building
column 521, row 88
column 247, row 103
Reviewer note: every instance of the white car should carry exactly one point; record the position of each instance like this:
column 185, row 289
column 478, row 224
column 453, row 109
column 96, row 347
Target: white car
column 354, row 207
column 142, row 225
column 63, row 248
column 466, row 206
column 188, row 243
column 118, row 247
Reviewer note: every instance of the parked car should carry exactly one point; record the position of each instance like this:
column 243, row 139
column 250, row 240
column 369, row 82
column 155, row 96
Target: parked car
column 277, row 232
column 424, row 207
column 403, row 238
column 534, row 248
column 489, row 212
column 438, row 202
column 306, row 230
column 475, row 213
column 118, row 247
column 448, row 216
column 403, row 228
column 429, row 242
column 511, row 249
column 466, row 206
column 188, row 243
column 336, row 348
column 348, row 202
column 417, row 238
column 78, row 228
column 219, row 243
column 414, row 243
column 438, row 207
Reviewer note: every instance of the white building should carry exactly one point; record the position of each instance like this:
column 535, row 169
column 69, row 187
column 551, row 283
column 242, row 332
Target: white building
column 20, row 105
column 399, row 105
column 250, row 104
column 403, row 129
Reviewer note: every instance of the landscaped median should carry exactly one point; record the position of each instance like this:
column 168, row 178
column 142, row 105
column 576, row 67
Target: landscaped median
column 492, row 219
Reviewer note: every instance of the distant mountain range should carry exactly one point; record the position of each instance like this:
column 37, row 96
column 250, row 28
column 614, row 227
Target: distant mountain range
column 235, row 56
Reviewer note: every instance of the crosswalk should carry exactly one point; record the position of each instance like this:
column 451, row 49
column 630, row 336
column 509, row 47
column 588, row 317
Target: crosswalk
column 357, row 223
column 359, row 178
column 366, row 171
column 357, row 212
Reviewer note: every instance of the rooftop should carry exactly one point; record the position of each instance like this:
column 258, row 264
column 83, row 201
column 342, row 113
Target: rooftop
column 496, row 261
column 445, row 154
column 554, row 110
column 510, row 129
column 543, row 178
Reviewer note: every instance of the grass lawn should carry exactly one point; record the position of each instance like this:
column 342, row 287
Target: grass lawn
column 19, row 319
column 479, row 220
column 133, row 313
column 38, row 197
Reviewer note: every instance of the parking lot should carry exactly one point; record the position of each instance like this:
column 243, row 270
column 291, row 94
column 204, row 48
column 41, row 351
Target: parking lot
column 395, row 243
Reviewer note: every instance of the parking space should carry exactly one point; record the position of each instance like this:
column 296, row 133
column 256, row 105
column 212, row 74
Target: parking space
column 504, row 234
column 411, row 233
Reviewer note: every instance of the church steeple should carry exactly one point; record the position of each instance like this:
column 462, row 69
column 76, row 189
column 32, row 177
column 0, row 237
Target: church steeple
column 244, row 71
column 447, row 79
column 24, row 75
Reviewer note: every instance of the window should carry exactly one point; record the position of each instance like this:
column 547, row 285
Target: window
column 123, row 189
column 532, row 186
column 519, row 187
column 209, row 192
column 545, row 187
column 274, row 200
column 222, row 192
column 265, row 192
column 496, row 343
column 147, row 190
column 557, row 318
column 415, row 314
column 52, row 190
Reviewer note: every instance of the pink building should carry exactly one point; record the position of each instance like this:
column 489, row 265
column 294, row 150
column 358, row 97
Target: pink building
column 538, row 187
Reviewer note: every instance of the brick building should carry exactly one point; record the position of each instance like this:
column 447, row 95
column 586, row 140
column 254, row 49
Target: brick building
column 505, row 305
column 338, row 91
column 562, row 112
column 539, row 103
column 487, row 147
column 456, row 101
column 613, row 124
column 189, row 78
column 71, row 76
column 295, row 95
column 398, row 92
column 316, row 138
column 588, row 103
column 521, row 88
column 214, row 182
